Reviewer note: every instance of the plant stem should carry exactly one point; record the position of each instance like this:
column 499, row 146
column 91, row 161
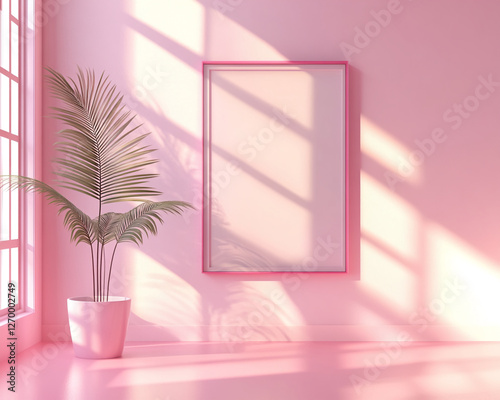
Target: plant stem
column 98, row 280
column 110, row 268
column 98, row 258
column 93, row 270
column 103, row 264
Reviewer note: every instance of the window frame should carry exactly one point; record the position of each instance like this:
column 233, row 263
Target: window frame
column 25, row 138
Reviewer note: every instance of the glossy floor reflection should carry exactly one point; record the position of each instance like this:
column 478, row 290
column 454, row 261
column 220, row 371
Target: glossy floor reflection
column 263, row 371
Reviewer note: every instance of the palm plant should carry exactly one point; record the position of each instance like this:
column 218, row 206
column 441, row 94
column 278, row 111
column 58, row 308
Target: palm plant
column 104, row 160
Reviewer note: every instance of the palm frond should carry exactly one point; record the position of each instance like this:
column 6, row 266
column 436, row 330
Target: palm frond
column 102, row 159
column 143, row 219
column 106, row 222
column 80, row 225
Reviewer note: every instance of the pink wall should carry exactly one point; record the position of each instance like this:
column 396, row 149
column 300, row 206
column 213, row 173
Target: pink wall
column 424, row 98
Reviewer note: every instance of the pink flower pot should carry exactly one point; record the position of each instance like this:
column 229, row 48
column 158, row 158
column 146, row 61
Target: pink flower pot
column 98, row 329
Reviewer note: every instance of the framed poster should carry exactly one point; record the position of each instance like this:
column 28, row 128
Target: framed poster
column 275, row 167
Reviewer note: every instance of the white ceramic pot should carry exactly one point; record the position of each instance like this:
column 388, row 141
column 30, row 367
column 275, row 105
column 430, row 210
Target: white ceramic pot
column 98, row 329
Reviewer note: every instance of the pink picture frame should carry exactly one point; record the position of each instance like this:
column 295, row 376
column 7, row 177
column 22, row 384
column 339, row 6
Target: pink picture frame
column 275, row 160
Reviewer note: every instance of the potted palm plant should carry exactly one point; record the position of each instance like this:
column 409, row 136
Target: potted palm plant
column 103, row 158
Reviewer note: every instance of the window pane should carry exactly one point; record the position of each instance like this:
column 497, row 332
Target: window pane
column 4, row 156
column 15, row 8
column 4, row 103
column 14, row 214
column 14, row 60
column 4, row 275
column 4, row 35
column 14, row 155
column 14, row 270
column 6, row 6
column 30, row 21
column 14, row 108
column 4, row 195
column 14, row 204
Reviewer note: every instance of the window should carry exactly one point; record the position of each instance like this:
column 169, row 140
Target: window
column 15, row 138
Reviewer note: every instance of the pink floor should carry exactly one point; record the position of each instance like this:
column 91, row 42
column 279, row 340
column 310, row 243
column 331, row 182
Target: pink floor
column 263, row 371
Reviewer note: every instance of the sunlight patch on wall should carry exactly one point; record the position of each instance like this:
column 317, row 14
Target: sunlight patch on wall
column 160, row 297
column 242, row 43
column 257, row 311
column 257, row 304
column 389, row 220
column 387, row 151
column 392, row 284
column 473, row 280
column 163, row 63
column 180, row 21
